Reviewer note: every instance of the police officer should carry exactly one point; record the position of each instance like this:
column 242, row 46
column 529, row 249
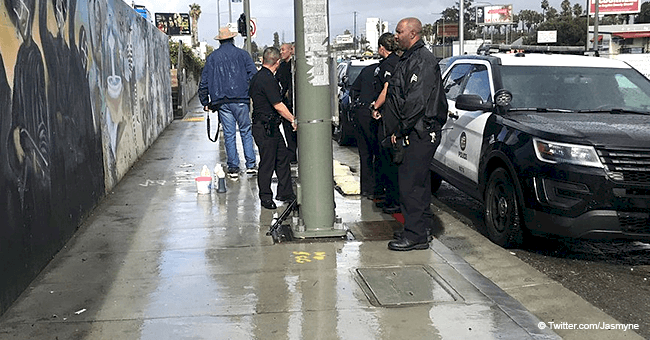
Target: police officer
column 268, row 111
column 284, row 75
column 417, row 108
column 386, row 175
column 363, row 93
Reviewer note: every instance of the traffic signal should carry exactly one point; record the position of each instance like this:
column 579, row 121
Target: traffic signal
column 241, row 25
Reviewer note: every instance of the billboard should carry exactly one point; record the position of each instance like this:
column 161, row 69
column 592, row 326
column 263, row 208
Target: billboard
column 343, row 39
column 173, row 23
column 447, row 30
column 615, row 7
column 544, row 37
column 494, row 15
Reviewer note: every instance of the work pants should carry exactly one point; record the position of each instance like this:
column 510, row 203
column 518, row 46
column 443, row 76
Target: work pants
column 368, row 148
column 274, row 157
column 415, row 186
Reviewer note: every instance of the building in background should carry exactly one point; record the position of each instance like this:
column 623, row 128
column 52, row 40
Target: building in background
column 143, row 11
column 374, row 28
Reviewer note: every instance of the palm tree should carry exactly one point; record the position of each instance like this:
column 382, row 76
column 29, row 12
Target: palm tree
column 577, row 10
column 195, row 13
column 428, row 32
column 545, row 6
column 566, row 8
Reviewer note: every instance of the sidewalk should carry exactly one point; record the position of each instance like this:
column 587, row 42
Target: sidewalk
column 158, row 261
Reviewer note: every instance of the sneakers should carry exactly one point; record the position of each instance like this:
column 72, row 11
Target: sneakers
column 233, row 172
column 252, row 171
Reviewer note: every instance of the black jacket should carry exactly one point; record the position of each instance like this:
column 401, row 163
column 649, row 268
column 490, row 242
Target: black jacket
column 416, row 99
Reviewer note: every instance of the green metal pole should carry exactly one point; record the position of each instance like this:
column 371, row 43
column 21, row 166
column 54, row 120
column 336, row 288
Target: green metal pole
column 247, row 39
column 312, row 91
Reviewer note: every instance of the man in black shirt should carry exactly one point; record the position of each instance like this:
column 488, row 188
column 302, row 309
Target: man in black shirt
column 268, row 111
column 386, row 174
column 284, row 75
column 416, row 101
column 363, row 93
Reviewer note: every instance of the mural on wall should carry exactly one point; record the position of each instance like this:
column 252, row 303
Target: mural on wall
column 84, row 91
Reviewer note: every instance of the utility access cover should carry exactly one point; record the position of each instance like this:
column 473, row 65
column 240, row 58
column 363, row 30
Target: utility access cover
column 395, row 286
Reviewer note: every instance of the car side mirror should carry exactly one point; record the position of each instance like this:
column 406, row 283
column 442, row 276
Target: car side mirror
column 472, row 102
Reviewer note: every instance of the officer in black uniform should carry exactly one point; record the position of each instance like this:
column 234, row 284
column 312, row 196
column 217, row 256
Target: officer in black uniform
column 386, row 174
column 268, row 111
column 284, row 75
column 363, row 93
column 416, row 102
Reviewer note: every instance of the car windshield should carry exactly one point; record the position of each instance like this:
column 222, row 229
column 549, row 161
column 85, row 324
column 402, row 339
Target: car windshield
column 353, row 72
column 577, row 88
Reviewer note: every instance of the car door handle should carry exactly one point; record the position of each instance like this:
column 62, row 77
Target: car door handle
column 453, row 115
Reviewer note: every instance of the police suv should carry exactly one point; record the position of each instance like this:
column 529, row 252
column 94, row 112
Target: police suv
column 551, row 144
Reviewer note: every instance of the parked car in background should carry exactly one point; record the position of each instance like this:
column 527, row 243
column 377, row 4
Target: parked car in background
column 343, row 126
column 551, row 144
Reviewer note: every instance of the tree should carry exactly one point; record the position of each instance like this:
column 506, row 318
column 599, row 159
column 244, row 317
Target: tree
column 551, row 14
column 255, row 51
column 276, row 40
column 569, row 32
column 191, row 63
column 545, row 7
column 566, row 8
column 195, row 13
column 530, row 18
column 428, row 32
column 577, row 10
column 381, row 28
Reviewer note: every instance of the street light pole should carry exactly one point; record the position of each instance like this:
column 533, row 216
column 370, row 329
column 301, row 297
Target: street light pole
column 247, row 14
column 596, row 27
column 461, row 26
column 229, row 10
column 218, row 15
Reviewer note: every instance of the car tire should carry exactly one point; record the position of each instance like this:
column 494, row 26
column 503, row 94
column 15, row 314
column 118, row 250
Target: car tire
column 436, row 180
column 503, row 218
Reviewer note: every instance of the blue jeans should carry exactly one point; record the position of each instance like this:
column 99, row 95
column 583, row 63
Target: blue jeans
column 232, row 115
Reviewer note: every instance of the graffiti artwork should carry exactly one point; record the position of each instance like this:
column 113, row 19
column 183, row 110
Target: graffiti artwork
column 84, row 90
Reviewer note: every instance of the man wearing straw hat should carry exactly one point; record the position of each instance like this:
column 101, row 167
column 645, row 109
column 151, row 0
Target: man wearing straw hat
column 224, row 88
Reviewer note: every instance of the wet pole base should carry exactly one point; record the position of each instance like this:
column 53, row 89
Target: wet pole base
column 338, row 230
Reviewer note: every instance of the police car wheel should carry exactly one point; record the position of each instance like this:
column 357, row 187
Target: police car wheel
column 436, row 180
column 502, row 210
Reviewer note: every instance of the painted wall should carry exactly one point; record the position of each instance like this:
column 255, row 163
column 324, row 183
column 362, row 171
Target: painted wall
column 84, row 91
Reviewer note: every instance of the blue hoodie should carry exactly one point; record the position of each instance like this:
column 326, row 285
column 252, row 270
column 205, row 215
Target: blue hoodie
column 225, row 76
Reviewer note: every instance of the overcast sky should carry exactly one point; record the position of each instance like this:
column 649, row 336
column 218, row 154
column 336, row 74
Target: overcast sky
column 277, row 16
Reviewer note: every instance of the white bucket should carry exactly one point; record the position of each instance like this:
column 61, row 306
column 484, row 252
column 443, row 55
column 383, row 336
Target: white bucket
column 203, row 184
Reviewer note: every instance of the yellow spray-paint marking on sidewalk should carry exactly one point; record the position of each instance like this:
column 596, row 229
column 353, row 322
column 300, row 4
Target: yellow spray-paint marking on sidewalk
column 193, row 119
column 305, row 257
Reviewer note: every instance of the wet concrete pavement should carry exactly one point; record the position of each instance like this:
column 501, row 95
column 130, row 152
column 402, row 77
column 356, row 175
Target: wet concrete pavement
column 156, row 260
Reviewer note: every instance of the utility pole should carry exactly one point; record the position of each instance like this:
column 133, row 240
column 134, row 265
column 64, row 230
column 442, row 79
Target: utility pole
column 218, row 16
column 461, row 28
column 247, row 13
column 596, row 27
column 354, row 38
column 229, row 11
column 313, row 103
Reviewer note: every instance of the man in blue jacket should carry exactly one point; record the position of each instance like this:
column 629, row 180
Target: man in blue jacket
column 224, row 88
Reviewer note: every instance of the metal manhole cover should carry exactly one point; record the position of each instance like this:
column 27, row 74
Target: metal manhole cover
column 394, row 286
